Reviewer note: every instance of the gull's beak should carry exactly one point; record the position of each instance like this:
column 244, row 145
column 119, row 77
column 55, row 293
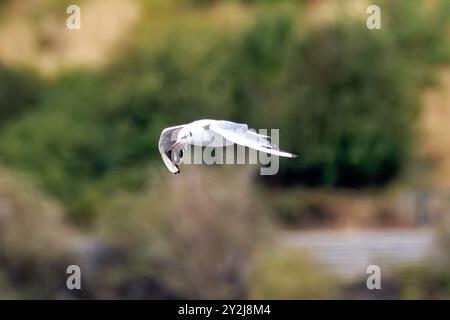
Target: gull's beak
column 177, row 143
column 173, row 167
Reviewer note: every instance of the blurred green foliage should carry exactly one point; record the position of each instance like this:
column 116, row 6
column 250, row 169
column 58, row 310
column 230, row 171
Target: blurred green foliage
column 350, row 104
column 419, row 29
column 19, row 93
column 288, row 274
column 259, row 64
column 343, row 97
column 422, row 282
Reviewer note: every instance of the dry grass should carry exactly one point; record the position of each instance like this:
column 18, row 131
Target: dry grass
column 34, row 34
column 212, row 230
column 343, row 209
column 435, row 131
column 32, row 227
column 280, row 273
column 198, row 229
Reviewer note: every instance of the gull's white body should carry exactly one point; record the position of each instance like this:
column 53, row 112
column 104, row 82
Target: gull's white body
column 203, row 136
column 211, row 133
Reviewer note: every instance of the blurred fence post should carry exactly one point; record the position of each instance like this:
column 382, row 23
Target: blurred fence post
column 421, row 212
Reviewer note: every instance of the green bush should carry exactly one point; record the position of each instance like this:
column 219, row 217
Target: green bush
column 258, row 66
column 348, row 108
column 19, row 92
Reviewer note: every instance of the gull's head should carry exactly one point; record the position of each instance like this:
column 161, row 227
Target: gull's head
column 184, row 138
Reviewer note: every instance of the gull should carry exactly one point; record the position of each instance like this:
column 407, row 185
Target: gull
column 210, row 133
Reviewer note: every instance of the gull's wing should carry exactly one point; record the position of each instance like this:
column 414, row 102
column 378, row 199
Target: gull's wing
column 166, row 140
column 238, row 133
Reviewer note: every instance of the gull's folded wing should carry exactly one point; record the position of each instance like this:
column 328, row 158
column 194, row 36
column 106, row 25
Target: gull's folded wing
column 239, row 134
column 166, row 140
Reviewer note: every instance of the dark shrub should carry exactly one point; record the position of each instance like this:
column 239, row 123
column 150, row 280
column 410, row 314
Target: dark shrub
column 19, row 91
column 348, row 109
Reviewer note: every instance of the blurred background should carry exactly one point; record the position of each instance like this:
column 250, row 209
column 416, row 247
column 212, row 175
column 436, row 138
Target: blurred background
column 82, row 182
